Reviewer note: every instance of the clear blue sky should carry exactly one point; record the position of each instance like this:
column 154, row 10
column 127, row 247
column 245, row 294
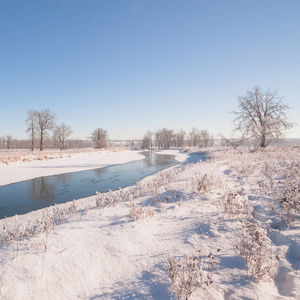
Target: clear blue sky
column 133, row 66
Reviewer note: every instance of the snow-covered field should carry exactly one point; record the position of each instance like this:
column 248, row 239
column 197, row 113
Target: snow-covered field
column 226, row 228
column 18, row 156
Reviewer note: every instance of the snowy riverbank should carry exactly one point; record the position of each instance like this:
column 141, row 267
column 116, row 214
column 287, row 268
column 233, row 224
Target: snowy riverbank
column 218, row 219
column 26, row 169
column 80, row 162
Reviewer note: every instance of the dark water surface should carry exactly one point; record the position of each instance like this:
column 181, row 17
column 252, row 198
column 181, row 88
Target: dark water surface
column 23, row 197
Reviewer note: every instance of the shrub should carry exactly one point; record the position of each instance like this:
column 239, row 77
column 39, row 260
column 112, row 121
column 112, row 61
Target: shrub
column 255, row 245
column 191, row 272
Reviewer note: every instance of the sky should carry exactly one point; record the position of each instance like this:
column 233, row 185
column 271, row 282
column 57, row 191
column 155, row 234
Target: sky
column 132, row 66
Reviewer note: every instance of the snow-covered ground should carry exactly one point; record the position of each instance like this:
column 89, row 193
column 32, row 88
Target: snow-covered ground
column 50, row 164
column 211, row 230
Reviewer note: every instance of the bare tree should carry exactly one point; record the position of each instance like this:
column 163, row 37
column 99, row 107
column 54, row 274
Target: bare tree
column 147, row 140
column 45, row 123
column 61, row 133
column 132, row 144
column 261, row 116
column 194, row 136
column 2, row 138
column 179, row 138
column 158, row 138
column 206, row 138
column 164, row 137
column 99, row 137
column 9, row 144
column 167, row 136
column 31, row 122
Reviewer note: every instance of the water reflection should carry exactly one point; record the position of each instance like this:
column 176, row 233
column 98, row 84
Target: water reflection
column 64, row 178
column 45, row 188
column 99, row 172
column 42, row 188
column 22, row 197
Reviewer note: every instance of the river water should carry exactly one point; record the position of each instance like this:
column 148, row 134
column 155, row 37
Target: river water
column 23, row 197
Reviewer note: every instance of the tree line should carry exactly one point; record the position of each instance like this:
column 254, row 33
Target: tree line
column 43, row 130
column 166, row 138
column 260, row 120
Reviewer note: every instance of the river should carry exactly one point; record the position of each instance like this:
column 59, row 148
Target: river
column 26, row 196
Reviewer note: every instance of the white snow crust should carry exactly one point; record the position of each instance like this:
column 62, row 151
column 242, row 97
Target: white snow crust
column 38, row 168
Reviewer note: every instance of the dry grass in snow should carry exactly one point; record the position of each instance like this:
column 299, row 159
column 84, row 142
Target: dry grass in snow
column 16, row 156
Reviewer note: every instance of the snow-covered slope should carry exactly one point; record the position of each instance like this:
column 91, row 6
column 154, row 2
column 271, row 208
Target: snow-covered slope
column 215, row 228
column 66, row 164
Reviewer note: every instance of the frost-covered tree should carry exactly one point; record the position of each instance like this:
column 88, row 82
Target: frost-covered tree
column 147, row 140
column 167, row 137
column 158, row 138
column 261, row 116
column 31, row 122
column 164, row 138
column 194, row 136
column 206, row 139
column 61, row 133
column 45, row 122
column 179, row 138
column 9, row 142
column 2, row 139
column 99, row 137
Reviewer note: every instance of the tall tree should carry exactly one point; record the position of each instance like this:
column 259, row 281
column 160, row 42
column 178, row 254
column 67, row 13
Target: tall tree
column 2, row 138
column 61, row 133
column 166, row 137
column 194, row 136
column 99, row 137
column 31, row 122
column 9, row 142
column 45, row 123
column 206, row 138
column 179, row 138
column 261, row 116
column 147, row 140
column 158, row 138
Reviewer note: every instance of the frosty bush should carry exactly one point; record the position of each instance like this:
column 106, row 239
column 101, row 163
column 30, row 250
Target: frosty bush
column 107, row 199
column 139, row 212
column 203, row 183
column 269, row 171
column 234, row 204
column 191, row 272
column 45, row 223
column 288, row 191
column 254, row 243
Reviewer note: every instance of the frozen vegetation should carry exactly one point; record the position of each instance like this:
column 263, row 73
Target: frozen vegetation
column 223, row 228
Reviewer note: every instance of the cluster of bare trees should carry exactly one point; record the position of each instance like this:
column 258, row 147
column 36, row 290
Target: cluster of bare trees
column 45, row 133
column 41, row 123
column 201, row 138
column 7, row 142
column 166, row 138
column 61, row 133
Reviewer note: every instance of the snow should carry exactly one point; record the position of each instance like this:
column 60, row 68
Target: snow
column 102, row 253
column 38, row 168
